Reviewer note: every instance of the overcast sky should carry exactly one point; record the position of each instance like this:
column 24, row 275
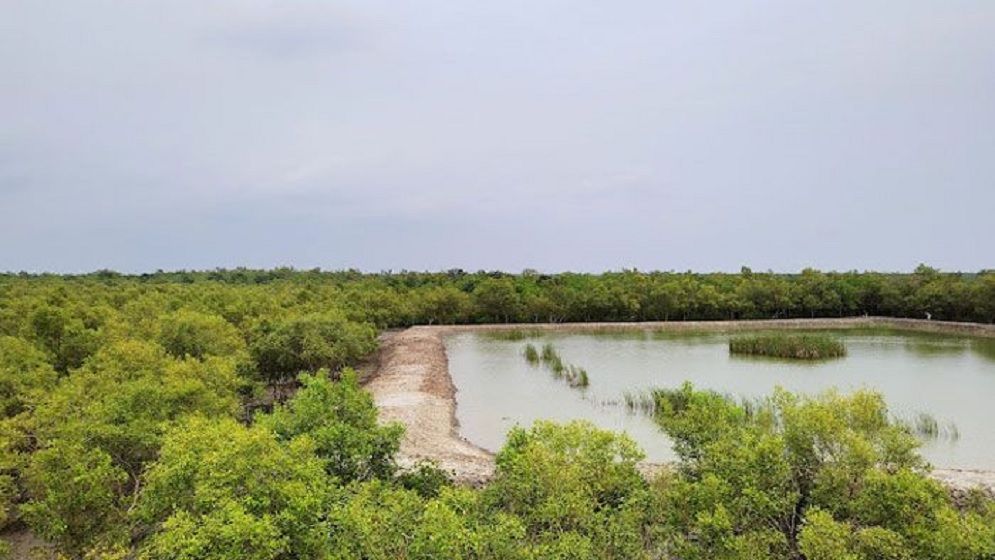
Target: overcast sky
column 509, row 134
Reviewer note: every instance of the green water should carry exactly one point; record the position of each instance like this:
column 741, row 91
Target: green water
column 951, row 378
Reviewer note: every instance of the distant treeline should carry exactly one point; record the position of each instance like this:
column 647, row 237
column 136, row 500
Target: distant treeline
column 394, row 299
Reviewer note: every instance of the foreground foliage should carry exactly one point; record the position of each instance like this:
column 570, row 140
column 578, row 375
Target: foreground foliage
column 816, row 478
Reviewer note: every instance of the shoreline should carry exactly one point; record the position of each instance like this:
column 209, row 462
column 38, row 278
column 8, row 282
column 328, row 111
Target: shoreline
column 411, row 384
column 980, row 330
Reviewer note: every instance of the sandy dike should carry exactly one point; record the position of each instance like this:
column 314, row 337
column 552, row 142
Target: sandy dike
column 411, row 385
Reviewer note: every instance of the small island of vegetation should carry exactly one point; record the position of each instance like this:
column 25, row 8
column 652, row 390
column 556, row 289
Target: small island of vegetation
column 790, row 346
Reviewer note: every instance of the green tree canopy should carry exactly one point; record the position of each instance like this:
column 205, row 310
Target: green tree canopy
column 309, row 343
column 829, row 476
column 221, row 490
column 25, row 375
column 198, row 335
column 340, row 420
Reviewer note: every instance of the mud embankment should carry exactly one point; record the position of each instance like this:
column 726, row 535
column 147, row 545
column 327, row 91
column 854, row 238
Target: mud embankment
column 411, row 385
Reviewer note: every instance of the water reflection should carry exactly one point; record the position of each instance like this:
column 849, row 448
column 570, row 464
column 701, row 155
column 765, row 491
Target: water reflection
column 984, row 348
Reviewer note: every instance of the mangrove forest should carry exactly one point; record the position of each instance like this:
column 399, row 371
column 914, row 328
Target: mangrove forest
column 221, row 414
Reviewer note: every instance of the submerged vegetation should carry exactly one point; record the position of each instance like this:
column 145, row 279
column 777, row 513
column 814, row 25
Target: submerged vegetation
column 927, row 427
column 549, row 353
column 211, row 415
column 531, row 354
column 789, row 346
column 513, row 335
column 551, row 360
column 640, row 401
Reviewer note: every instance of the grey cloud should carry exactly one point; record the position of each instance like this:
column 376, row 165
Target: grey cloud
column 300, row 36
column 552, row 135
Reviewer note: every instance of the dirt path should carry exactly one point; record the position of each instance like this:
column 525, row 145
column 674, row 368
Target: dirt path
column 411, row 385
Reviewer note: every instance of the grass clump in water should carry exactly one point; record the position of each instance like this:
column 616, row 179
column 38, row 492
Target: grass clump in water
column 654, row 402
column 553, row 361
column 582, row 379
column 556, row 366
column 550, row 358
column 531, row 354
column 577, row 376
column 643, row 402
column 927, row 427
column 790, row 346
column 514, row 335
column 548, row 352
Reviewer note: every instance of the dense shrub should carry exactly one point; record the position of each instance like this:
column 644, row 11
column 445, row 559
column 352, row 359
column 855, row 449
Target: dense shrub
column 124, row 397
column 340, row 421
column 561, row 492
column 573, row 482
column 66, row 338
column 828, row 476
column 426, row 478
column 222, row 490
column 189, row 333
column 25, row 376
column 309, row 343
column 78, row 496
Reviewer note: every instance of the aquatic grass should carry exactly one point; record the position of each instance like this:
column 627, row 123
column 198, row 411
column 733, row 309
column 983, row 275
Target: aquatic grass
column 514, row 335
column 684, row 333
column 927, row 427
column 953, row 432
column 618, row 332
column 651, row 402
column 548, row 352
column 582, row 379
column 643, row 402
column 790, row 346
column 552, row 361
column 577, row 376
column 531, row 354
column 556, row 365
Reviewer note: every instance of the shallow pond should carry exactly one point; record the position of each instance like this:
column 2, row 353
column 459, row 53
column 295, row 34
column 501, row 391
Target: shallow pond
column 950, row 378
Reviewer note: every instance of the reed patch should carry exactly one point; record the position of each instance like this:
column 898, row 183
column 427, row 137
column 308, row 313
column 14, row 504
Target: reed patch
column 551, row 360
column 788, row 346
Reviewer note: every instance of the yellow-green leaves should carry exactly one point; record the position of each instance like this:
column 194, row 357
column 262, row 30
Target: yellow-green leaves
column 340, row 420
column 223, row 490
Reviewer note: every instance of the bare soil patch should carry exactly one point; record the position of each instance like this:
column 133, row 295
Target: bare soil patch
column 412, row 386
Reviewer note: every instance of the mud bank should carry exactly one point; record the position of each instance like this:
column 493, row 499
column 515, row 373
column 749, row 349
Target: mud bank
column 411, row 385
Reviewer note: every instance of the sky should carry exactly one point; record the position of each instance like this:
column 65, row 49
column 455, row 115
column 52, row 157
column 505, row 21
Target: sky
column 553, row 135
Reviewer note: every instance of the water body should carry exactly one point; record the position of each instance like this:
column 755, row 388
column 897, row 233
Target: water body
column 951, row 378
